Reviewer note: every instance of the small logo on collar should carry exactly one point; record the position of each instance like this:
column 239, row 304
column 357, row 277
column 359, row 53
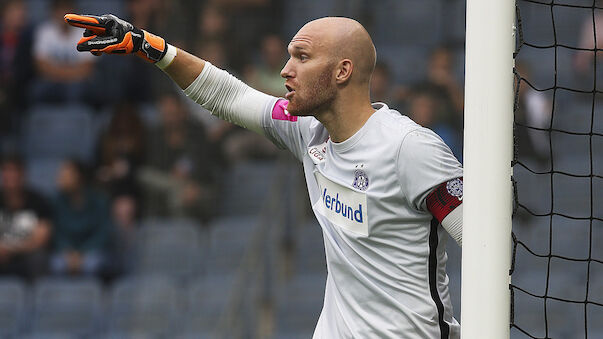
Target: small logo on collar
column 361, row 180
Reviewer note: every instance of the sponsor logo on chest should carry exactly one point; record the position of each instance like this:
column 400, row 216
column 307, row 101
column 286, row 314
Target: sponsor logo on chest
column 341, row 205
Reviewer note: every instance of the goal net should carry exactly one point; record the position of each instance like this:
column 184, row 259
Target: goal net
column 557, row 262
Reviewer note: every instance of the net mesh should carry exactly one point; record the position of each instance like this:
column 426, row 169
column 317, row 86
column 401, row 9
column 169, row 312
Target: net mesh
column 557, row 264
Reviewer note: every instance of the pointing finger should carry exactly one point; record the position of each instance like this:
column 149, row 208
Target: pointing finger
column 93, row 23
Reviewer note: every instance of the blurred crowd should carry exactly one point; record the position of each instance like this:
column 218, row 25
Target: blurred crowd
column 153, row 153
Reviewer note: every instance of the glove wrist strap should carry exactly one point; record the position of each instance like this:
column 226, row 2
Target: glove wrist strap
column 169, row 56
column 152, row 48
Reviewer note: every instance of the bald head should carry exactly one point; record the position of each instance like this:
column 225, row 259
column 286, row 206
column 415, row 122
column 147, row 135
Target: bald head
column 343, row 38
column 330, row 67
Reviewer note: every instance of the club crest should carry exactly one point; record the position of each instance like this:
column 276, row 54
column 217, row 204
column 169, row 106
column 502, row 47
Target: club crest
column 455, row 188
column 361, row 180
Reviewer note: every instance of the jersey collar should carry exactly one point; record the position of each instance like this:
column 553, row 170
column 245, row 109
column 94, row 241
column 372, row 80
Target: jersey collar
column 350, row 142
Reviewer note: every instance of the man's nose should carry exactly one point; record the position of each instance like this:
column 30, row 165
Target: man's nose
column 287, row 71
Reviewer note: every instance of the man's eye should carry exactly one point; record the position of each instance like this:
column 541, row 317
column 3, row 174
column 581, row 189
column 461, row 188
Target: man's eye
column 303, row 57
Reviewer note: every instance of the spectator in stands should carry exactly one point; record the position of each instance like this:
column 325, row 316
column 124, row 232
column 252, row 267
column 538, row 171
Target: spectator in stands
column 442, row 83
column 254, row 19
column 82, row 224
column 426, row 110
column 534, row 110
column 216, row 44
column 178, row 175
column 584, row 60
column 63, row 71
column 25, row 223
column 438, row 101
column 213, row 23
column 15, row 63
column 213, row 51
column 239, row 144
column 12, row 23
column 120, row 151
column 144, row 13
column 382, row 88
column 214, row 38
column 138, row 82
column 135, row 84
column 265, row 75
column 124, row 213
column 176, row 18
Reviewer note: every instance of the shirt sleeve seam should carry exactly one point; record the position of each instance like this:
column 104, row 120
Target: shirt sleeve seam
column 400, row 182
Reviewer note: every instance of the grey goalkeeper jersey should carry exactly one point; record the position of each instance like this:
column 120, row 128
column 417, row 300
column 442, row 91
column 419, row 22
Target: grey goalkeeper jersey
column 386, row 256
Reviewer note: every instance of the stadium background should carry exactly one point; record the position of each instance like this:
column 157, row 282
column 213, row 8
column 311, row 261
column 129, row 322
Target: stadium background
column 202, row 229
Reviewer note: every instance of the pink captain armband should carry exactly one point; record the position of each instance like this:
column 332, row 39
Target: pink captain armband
column 279, row 112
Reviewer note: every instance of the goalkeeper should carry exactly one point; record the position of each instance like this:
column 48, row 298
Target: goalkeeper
column 383, row 188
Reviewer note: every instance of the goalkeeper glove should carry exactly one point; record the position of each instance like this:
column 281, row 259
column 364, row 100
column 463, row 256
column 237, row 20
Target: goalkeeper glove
column 110, row 34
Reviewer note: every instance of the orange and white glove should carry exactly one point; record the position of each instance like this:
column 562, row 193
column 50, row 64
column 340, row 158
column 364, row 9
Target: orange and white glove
column 110, row 34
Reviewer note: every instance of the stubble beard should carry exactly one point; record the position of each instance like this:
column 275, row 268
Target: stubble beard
column 320, row 95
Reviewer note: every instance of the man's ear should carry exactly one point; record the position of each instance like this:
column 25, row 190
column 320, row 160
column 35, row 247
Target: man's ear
column 344, row 71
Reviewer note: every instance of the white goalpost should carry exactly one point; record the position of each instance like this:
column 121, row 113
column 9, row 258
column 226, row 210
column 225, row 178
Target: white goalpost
column 488, row 149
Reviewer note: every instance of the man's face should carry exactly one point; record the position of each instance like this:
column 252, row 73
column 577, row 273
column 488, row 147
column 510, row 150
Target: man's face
column 12, row 176
column 14, row 16
column 423, row 110
column 59, row 13
column 309, row 75
column 172, row 114
column 272, row 51
column 379, row 83
column 69, row 179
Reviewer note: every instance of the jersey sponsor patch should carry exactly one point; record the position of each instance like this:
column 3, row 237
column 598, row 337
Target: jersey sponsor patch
column 445, row 198
column 341, row 205
column 279, row 112
column 318, row 153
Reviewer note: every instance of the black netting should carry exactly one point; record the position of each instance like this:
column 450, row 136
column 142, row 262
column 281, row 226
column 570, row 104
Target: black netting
column 557, row 267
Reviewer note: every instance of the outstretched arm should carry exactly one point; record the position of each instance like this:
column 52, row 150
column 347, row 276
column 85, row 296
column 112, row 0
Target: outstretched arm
column 185, row 68
column 214, row 89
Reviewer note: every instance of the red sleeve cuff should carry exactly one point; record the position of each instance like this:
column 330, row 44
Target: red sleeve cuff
column 445, row 198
